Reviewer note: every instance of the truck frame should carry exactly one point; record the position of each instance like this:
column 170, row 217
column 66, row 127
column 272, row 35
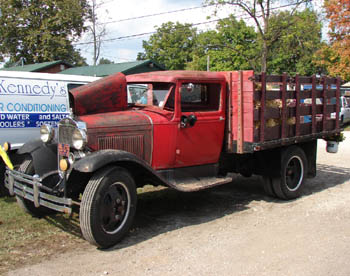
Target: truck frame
column 185, row 130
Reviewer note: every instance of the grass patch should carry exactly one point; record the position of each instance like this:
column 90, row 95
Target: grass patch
column 28, row 240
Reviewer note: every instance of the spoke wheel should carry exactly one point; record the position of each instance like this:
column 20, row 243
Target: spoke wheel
column 108, row 206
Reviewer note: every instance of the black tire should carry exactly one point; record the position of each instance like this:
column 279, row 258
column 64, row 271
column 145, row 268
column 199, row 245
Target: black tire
column 3, row 189
column 290, row 184
column 267, row 181
column 108, row 206
column 27, row 205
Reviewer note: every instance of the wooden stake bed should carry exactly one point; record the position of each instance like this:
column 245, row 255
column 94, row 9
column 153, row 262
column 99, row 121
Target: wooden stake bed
column 269, row 110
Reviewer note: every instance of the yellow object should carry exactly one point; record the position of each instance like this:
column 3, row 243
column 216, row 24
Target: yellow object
column 6, row 158
column 6, row 146
column 63, row 165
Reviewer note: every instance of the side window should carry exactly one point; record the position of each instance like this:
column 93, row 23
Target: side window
column 200, row 97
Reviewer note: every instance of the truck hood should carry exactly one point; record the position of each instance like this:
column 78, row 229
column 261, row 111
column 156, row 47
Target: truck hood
column 105, row 95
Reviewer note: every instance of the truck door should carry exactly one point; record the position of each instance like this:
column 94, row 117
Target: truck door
column 202, row 123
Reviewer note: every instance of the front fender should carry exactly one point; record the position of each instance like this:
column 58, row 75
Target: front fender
column 99, row 159
column 44, row 156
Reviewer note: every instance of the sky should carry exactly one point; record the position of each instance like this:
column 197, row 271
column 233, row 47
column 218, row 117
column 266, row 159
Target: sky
column 112, row 13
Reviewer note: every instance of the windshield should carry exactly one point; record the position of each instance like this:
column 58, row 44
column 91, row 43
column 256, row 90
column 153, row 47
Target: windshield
column 156, row 94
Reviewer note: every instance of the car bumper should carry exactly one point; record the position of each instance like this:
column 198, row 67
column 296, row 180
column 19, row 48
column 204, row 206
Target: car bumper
column 31, row 188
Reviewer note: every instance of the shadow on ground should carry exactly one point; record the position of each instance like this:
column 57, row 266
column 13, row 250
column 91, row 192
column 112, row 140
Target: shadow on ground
column 167, row 210
column 164, row 210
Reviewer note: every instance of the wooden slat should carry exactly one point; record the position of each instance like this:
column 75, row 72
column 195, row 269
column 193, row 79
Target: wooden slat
column 337, row 103
column 240, row 129
column 313, row 117
column 297, row 105
column 262, row 108
column 324, row 82
column 284, row 106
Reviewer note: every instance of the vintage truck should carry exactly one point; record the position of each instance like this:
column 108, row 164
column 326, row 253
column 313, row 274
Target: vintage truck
column 191, row 131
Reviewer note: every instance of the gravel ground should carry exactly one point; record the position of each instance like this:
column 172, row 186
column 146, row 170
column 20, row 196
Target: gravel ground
column 230, row 230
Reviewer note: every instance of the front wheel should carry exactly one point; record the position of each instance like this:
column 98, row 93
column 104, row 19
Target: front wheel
column 27, row 167
column 108, row 206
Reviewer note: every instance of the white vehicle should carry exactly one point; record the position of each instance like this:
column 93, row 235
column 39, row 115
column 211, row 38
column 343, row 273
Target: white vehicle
column 28, row 100
column 344, row 114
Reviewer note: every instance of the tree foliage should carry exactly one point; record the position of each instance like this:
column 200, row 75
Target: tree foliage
column 293, row 38
column 232, row 46
column 299, row 39
column 105, row 61
column 42, row 30
column 260, row 11
column 171, row 45
column 336, row 56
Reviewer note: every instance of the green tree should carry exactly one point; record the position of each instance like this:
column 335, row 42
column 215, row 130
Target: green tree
column 42, row 30
column 299, row 39
column 232, row 46
column 105, row 61
column 171, row 45
column 260, row 11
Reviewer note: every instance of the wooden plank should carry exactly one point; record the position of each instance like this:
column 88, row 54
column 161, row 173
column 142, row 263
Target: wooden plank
column 324, row 82
column 297, row 105
column 262, row 107
column 240, row 127
column 313, row 117
column 305, row 80
column 337, row 104
column 284, row 106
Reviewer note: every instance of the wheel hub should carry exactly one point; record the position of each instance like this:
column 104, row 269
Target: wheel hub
column 114, row 208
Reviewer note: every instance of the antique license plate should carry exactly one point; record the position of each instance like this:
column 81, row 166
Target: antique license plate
column 63, row 150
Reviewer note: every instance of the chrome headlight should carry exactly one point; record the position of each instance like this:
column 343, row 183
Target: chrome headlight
column 47, row 133
column 79, row 139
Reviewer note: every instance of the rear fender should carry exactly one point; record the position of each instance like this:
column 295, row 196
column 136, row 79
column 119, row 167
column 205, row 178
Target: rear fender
column 44, row 156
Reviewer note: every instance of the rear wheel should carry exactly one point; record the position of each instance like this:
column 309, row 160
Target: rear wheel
column 293, row 172
column 108, row 206
column 290, row 183
column 27, row 167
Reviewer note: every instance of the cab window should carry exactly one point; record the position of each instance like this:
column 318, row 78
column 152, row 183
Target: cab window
column 200, row 97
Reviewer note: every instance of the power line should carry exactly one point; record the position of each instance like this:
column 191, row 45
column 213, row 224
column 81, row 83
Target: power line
column 157, row 14
column 193, row 24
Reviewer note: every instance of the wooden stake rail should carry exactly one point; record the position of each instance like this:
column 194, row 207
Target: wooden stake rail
column 271, row 110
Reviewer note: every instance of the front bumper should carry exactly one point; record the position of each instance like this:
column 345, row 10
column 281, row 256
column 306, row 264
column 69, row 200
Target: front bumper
column 31, row 188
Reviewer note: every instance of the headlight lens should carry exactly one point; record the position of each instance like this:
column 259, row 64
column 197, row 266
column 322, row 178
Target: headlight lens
column 79, row 139
column 47, row 133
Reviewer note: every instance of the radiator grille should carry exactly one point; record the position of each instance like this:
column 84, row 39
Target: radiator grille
column 133, row 144
column 65, row 133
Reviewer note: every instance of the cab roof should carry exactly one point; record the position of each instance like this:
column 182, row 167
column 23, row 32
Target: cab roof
column 174, row 76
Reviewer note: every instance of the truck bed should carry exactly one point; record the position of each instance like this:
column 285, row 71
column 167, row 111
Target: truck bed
column 273, row 110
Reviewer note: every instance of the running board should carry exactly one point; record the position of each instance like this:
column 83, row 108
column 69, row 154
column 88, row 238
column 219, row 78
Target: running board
column 197, row 184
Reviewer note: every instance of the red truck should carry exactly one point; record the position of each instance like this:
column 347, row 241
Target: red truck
column 181, row 129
